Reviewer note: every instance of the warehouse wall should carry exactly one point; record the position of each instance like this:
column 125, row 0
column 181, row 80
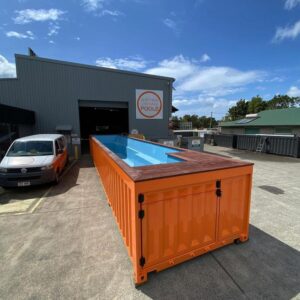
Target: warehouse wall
column 52, row 89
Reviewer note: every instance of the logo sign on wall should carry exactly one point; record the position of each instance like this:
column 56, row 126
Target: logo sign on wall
column 149, row 104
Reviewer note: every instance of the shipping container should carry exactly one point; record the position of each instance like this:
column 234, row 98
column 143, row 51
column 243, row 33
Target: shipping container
column 272, row 144
column 171, row 212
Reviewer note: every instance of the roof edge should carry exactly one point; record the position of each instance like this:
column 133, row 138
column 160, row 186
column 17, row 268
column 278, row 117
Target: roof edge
column 79, row 65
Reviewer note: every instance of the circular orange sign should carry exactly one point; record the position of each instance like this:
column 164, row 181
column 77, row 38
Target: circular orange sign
column 149, row 104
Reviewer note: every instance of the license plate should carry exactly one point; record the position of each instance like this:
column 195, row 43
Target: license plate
column 24, row 183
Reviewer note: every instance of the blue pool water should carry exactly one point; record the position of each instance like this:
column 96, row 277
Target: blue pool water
column 138, row 153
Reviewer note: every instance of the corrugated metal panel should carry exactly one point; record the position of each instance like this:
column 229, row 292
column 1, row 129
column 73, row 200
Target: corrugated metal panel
column 53, row 89
column 247, row 142
column 282, row 146
column 170, row 220
column 120, row 195
column 222, row 140
column 279, row 145
column 178, row 220
column 188, row 218
column 235, row 193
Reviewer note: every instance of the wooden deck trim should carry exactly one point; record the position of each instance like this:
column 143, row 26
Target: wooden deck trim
column 194, row 162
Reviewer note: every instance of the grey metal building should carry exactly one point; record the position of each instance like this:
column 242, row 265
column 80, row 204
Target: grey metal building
column 79, row 100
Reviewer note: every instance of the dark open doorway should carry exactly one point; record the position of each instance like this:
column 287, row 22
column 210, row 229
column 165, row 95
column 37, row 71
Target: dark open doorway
column 97, row 120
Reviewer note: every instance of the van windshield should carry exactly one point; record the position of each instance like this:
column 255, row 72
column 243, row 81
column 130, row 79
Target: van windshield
column 31, row 148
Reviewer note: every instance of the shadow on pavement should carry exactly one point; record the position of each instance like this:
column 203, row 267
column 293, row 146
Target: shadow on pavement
column 68, row 181
column 22, row 193
column 86, row 161
column 262, row 268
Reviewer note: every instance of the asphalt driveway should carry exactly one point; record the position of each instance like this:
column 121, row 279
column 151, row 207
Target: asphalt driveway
column 69, row 246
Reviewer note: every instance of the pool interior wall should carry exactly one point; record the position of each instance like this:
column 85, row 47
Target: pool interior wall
column 138, row 153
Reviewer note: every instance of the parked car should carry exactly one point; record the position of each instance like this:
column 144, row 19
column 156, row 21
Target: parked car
column 34, row 160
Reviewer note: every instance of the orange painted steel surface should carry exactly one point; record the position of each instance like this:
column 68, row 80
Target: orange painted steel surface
column 165, row 221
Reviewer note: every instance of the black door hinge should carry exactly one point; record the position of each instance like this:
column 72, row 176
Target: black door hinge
column 142, row 261
column 141, row 198
column 218, row 188
column 141, row 214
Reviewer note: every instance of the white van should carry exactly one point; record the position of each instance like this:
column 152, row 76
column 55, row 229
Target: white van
column 34, row 160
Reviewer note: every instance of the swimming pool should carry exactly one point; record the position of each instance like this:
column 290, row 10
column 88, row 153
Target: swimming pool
column 168, row 213
column 138, row 153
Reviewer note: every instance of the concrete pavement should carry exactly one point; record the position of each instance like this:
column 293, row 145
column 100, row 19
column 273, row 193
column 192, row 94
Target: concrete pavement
column 70, row 246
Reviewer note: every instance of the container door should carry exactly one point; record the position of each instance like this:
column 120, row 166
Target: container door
column 233, row 203
column 178, row 221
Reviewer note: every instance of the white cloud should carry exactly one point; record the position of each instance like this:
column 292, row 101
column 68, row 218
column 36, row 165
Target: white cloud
column 222, row 91
column 98, row 7
column 18, row 35
column 130, row 63
column 293, row 91
column 202, row 89
column 53, row 29
column 260, row 88
column 92, row 5
column 192, row 77
column 219, row 78
column 178, row 67
column 7, row 69
column 202, row 105
column 205, row 57
column 114, row 13
column 38, row 15
column 51, row 42
column 288, row 32
column 290, row 4
column 77, row 38
column 172, row 25
column 275, row 79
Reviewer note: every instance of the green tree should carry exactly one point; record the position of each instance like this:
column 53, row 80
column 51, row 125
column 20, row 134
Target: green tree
column 205, row 122
column 197, row 122
column 175, row 122
column 256, row 104
column 238, row 111
column 282, row 101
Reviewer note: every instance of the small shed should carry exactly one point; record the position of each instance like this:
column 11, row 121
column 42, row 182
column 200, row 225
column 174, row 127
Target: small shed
column 277, row 121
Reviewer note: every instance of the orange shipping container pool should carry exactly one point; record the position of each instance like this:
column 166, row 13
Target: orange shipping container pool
column 171, row 204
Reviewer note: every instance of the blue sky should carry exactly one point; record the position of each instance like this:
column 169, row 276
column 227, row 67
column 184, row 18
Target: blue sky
column 218, row 51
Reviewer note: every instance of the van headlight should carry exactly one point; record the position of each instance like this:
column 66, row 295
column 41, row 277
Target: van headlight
column 3, row 170
column 49, row 167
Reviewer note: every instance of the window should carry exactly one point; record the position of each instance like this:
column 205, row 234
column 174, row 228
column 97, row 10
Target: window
column 61, row 143
column 31, row 148
column 56, row 147
column 283, row 130
column 249, row 130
